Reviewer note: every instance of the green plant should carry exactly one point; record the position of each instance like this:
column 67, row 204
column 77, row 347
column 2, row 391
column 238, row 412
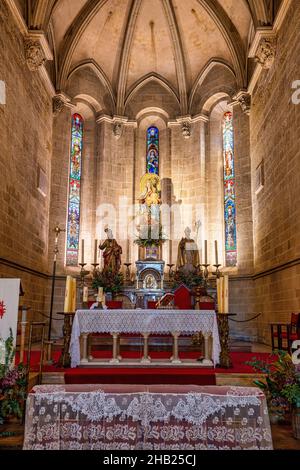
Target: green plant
column 190, row 279
column 282, row 382
column 149, row 241
column 109, row 280
column 13, row 384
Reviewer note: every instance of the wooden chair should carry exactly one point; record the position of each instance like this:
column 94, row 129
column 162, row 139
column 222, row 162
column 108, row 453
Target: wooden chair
column 285, row 332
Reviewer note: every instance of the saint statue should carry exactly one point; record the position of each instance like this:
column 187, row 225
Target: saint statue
column 188, row 255
column 111, row 253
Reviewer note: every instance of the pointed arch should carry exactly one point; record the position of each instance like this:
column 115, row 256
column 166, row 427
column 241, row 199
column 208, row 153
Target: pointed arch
column 203, row 74
column 92, row 64
column 73, row 35
column 231, row 36
column 149, row 78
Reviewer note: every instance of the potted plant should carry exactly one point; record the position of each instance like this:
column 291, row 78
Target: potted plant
column 109, row 280
column 13, row 385
column 190, row 279
column 281, row 387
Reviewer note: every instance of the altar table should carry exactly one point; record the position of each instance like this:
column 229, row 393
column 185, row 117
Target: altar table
column 156, row 417
column 145, row 322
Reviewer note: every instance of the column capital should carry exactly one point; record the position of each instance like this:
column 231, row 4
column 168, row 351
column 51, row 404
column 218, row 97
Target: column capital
column 243, row 98
column 37, row 50
column 59, row 101
column 263, row 48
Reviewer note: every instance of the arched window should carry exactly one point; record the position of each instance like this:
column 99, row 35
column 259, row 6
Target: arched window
column 229, row 191
column 73, row 218
column 153, row 150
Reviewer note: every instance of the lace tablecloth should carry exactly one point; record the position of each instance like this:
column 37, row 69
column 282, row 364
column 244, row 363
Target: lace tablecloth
column 186, row 322
column 157, row 417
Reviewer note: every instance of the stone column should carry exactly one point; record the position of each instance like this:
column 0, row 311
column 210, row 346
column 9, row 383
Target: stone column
column 243, row 184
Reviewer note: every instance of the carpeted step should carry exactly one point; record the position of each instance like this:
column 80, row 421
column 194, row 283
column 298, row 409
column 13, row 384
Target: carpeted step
column 147, row 376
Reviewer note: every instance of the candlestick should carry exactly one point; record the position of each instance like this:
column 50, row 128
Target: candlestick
column 95, row 270
column 82, row 251
column 170, row 266
column 127, row 265
column 217, row 273
column 205, row 252
column 205, row 274
column 95, row 251
column 83, row 274
column 216, row 251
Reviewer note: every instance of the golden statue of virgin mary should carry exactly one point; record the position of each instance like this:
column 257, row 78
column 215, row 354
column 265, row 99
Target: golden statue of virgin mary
column 150, row 190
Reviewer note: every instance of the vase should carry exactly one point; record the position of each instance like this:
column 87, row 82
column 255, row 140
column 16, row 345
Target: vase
column 296, row 422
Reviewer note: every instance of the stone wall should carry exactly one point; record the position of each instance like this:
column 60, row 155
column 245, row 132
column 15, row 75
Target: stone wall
column 274, row 124
column 26, row 145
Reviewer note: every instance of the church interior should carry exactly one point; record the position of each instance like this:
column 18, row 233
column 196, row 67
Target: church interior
column 150, row 224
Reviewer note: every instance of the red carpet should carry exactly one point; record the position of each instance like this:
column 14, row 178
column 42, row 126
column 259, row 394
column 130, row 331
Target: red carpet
column 148, row 375
column 145, row 376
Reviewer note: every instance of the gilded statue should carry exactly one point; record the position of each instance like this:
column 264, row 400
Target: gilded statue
column 150, row 200
column 150, row 190
column 111, row 253
column 188, row 255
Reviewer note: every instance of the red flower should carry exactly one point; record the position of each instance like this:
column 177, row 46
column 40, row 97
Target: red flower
column 2, row 308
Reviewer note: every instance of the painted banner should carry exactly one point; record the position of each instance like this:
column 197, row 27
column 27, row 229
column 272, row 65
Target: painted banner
column 9, row 304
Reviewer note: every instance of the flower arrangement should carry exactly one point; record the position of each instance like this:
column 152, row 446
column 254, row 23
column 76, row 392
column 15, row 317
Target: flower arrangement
column 109, row 280
column 282, row 382
column 13, row 384
column 149, row 241
column 190, row 279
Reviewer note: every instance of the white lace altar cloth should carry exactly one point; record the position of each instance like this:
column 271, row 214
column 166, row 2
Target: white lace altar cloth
column 156, row 417
column 186, row 322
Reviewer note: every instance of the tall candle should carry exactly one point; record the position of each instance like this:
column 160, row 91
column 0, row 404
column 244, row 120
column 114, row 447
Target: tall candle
column 85, row 294
column 100, row 294
column 226, row 295
column 216, row 251
column 95, row 251
column 82, row 251
column 205, row 251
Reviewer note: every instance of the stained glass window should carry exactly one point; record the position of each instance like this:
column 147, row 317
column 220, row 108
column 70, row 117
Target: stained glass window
column 73, row 222
column 229, row 191
column 153, row 150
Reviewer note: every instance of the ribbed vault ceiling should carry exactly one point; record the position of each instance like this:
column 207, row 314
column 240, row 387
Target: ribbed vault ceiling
column 129, row 40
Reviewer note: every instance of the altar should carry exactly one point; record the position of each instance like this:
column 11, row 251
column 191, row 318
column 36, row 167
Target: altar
column 144, row 323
